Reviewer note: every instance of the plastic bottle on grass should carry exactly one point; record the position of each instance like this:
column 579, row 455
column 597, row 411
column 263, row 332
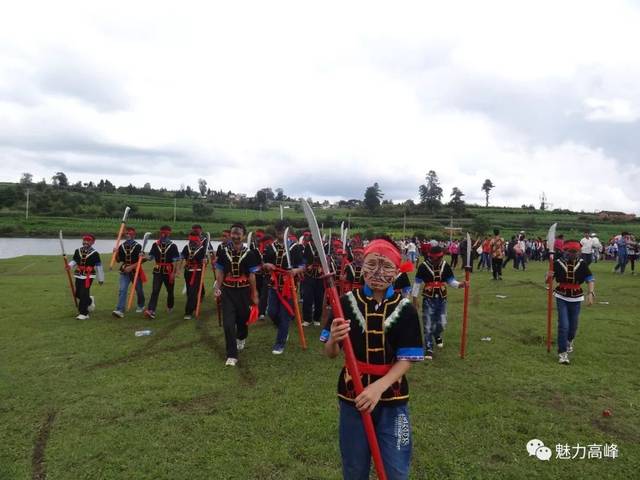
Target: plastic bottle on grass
column 143, row 333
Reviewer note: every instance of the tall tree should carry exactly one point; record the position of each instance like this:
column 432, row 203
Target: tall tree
column 60, row 180
column 261, row 198
column 431, row 193
column 486, row 188
column 202, row 186
column 456, row 202
column 279, row 194
column 372, row 197
column 26, row 178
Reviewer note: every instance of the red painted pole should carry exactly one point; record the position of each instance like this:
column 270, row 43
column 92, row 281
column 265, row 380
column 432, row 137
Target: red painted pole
column 465, row 312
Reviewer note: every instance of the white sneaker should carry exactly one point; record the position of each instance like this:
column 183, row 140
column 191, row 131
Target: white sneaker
column 92, row 306
column 231, row 362
column 240, row 344
column 82, row 317
column 306, row 324
column 117, row 313
column 139, row 309
column 316, row 324
column 563, row 358
column 570, row 347
column 187, row 317
column 261, row 317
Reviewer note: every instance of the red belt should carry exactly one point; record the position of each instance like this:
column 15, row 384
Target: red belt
column 169, row 267
column 569, row 286
column 373, row 368
column 241, row 278
column 86, row 271
column 435, row 284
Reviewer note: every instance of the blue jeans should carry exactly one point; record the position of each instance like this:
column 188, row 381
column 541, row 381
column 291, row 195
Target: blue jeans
column 568, row 313
column 412, row 257
column 393, row 431
column 125, row 280
column 434, row 318
column 622, row 261
column 280, row 316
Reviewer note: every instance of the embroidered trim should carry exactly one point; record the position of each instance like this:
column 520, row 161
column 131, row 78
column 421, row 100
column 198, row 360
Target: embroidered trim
column 393, row 318
column 356, row 311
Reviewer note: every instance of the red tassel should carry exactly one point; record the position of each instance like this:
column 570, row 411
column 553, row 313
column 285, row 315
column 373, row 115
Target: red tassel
column 253, row 315
column 407, row 267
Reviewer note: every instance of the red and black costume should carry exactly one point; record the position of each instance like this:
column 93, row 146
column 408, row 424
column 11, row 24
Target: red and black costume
column 237, row 267
column 312, row 285
column 88, row 266
column 193, row 254
column 165, row 253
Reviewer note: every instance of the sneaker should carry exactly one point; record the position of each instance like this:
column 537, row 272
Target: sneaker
column 169, row 310
column 150, row 314
column 140, row 309
column 240, row 344
column 278, row 350
column 187, row 317
column 563, row 358
column 306, row 324
column 117, row 313
column 82, row 317
column 231, row 362
column 570, row 347
column 439, row 342
column 261, row 317
column 428, row 355
column 92, row 306
column 316, row 324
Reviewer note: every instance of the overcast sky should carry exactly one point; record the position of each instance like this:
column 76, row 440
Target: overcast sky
column 324, row 101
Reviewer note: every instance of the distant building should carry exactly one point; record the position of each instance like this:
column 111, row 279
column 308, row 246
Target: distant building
column 610, row 215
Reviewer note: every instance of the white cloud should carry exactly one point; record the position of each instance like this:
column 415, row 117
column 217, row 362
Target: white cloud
column 324, row 99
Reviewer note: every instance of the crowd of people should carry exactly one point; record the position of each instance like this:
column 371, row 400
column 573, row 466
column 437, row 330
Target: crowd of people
column 271, row 274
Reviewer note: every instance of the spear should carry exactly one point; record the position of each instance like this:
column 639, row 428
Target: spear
column 294, row 291
column 551, row 240
column 66, row 268
column 120, row 232
column 145, row 239
column 204, row 269
column 349, row 355
column 465, row 308
column 343, row 261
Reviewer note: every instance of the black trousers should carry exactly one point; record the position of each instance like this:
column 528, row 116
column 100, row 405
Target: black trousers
column 192, row 290
column 262, row 285
column 496, row 264
column 83, row 294
column 160, row 279
column 312, row 297
column 236, row 303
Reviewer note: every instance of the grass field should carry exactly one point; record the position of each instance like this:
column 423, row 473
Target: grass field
column 89, row 400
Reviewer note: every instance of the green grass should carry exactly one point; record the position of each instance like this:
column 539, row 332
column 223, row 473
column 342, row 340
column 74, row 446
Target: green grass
column 89, row 400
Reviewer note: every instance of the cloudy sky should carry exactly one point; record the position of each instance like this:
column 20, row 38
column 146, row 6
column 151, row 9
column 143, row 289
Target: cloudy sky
column 323, row 101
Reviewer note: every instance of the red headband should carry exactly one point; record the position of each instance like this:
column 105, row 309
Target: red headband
column 165, row 230
column 435, row 254
column 194, row 238
column 384, row 248
column 131, row 229
column 571, row 246
column 88, row 238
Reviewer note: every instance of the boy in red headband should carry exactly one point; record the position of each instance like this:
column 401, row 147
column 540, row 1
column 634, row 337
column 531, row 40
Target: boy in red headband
column 86, row 261
column 128, row 254
column 433, row 276
column 570, row 272
column 385, row 332
column 353, row 270
column 236, row 267
column 166, row 254
column 191, row 257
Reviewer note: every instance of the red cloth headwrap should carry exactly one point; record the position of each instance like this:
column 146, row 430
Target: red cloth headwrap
column 88, row 238
column 384, row 248
column 571, row 246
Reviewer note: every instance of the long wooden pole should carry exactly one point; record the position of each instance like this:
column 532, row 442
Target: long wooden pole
column 296, row 308
column 123, row 223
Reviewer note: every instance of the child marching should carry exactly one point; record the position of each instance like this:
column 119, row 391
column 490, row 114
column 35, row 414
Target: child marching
column 128, row 253
column 166, row 254
column 236, row 268
column 432, row 277
column 570, row 272
column 193, row 259
column 87, row 264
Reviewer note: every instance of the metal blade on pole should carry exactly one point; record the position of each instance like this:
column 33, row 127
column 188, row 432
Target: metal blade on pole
column 249, row 238
column 126, row 214
column 468, row 265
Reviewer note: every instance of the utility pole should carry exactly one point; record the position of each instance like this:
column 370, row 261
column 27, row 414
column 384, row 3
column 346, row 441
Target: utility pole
column 26, row 215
